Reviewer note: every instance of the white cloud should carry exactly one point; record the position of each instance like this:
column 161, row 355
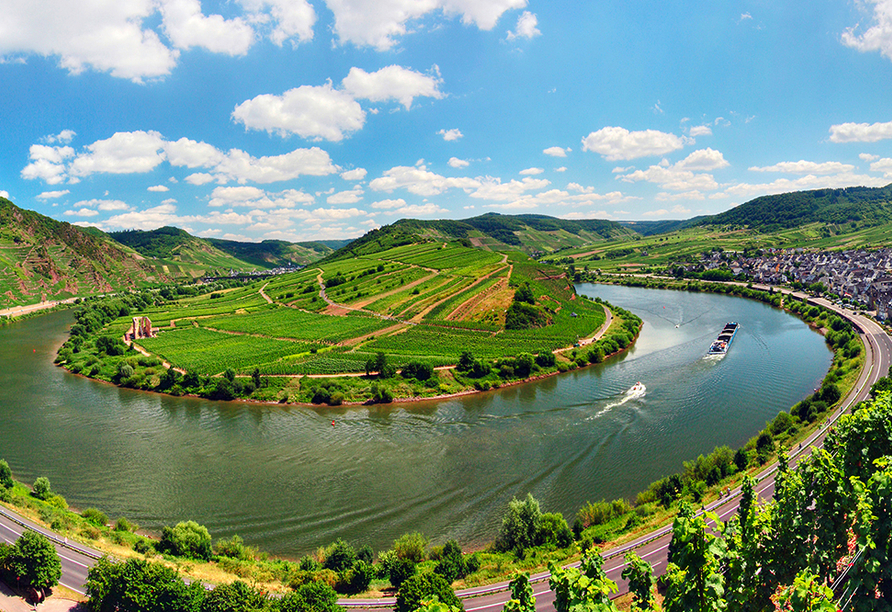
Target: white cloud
column 292, row 18
column 186, row 27
column 51, row 195
column 103, row 205
column 615, row 143
column 123, row 153
column 357, row 174
column 388, row 204
column 450, row 135
column 391, row 83
column 346, row 197
column 159, row 188
column 420, row 209
column 255, row 198
column 703, row 160
column 82, row 212
column 420, row 181
column 744, row 16
column 192, row 154
column 556, row 151
column 47, row 163
column 4, row 194
column 687, row 196
column 806, row 167
column 810, row 181
column 64, row 137
column 878, row 37
column 378, row 24
column 309, row 111
column 242, row 167
column 860, row 132
column 458, row 163
column 531, row 171
column 868, row 157
column 106, row 35
column 169, row 201
column 492, row 188
column 882, row 165
column 199, row 178
column 561, row 169
column 150, row 218
column 678, row 210
column 526, row 26
column 700, row 130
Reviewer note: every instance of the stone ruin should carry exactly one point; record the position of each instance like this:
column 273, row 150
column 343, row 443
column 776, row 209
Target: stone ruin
column 140, row 328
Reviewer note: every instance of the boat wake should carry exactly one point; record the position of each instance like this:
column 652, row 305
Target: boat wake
column 636, row 391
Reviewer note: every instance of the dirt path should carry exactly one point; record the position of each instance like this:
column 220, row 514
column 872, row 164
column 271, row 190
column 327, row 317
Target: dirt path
column 166, row 364
column 264, row 295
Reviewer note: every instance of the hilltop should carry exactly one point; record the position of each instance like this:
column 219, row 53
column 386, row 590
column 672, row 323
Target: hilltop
column 175, row 244
column 43, row 259
column 531, row 234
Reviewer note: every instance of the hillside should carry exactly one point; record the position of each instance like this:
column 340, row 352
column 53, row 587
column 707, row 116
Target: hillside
column 173, row 245
column 856, row 206
column 42, row 259
column 278, row 253
column 532, row 234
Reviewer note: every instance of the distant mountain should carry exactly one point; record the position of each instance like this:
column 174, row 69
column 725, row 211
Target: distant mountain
column 178, row 246
column 650, row 228
column 532, row 234
column 278, row 253
column 43, row 259
column 864, row 206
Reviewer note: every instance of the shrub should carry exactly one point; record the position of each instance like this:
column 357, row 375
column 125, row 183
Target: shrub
column 41, row 488
column 6, row 481
column 94, row 516
column 310, row 597
column 552, row 531
column 124, row 525
column 423, row 587
column 411, row 546
column 339, row 556
column 401, row 570
column 187, row 539
column 519, row 525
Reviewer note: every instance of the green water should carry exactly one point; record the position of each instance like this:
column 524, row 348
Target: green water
column 288, row 481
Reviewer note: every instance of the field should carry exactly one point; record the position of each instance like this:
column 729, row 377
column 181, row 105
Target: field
column 425, row 303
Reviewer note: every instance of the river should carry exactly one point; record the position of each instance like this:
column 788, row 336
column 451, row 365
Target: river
column 289, row 479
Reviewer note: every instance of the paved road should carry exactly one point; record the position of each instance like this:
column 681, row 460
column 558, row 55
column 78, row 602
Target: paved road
column 76, row 559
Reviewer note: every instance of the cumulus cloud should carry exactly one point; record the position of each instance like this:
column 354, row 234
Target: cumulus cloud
column 420, row 181
column 860, row 132
column 379, row 24
column 346, row 197
column 450, row 135
column 883, row 165
column 492, row 188
column 806, row 167
column 809, row 181
column 391, row 83
column 255, row 198
column 51, row 195
column 526, row 26
column 418, row 210
column 556, row 151
column 47, row 163
column 868, row 157
column 357, row 174
column 683, row 175
column 531, row 171
column 678, row 210
column 700, row 130
column 388, row 204
column 123, row 153
column 90, row 208
column 159, row 188
column 81, row 212
column 561, row 169
column 64, row 137
column 118, row 37
column 186, row 27
column 313, row 112
column 458, row 163
column 878, row 37
column 615, row 143
column 139, row 152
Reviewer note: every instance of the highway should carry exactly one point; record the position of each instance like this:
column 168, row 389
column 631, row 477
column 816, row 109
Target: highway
column 77, row 559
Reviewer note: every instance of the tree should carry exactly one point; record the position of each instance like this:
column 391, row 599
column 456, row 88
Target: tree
column 519, row 526
column 522, row 599
column 234, row 597
column 42, row 489
column 411, row 546
column 36, row 562
column 6, row 481
column 187, row 539
column 452, row 564
column 311, row 597
column 339, row 556
column 139, row 586
column 422, row 587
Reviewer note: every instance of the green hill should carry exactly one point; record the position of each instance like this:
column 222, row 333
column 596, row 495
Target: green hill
column 532, row 234
column 278, row 253
column 43, row 259
column 178, row 246
column 863, row 206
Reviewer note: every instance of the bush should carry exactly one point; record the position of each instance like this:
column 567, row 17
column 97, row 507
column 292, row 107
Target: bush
column 552, row 531
column 96, row 517
column 6, row 481
column 357, row 578
column 187, row 539
column 417, row 370
column 519, row 527
column 310, row 597
column 124, row 525
column 545, row 360
column 422, row 587
column 401, row 570
column 41, row 489
column 411, row 546
column 339, row 556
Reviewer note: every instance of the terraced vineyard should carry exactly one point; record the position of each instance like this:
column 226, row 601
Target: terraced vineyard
column 426, row 305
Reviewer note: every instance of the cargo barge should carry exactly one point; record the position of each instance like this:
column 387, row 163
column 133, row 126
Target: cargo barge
column 721, row 344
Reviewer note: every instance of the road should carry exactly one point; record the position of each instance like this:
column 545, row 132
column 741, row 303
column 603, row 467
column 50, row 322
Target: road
column 76, row 559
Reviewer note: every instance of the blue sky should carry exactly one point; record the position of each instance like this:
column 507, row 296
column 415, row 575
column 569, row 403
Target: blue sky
column 315, row 119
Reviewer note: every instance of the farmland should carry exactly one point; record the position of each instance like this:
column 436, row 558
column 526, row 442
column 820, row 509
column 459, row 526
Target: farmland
column 414, row 307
